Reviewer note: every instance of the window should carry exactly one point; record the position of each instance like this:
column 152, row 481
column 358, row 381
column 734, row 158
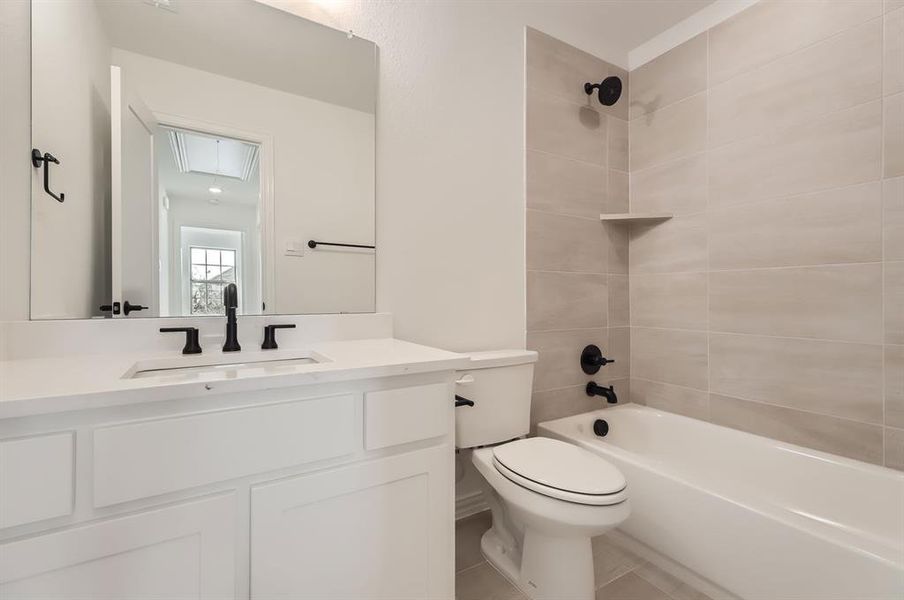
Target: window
column 211, row 270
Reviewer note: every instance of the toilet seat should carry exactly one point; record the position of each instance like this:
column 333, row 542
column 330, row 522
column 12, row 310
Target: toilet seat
column 560, row 470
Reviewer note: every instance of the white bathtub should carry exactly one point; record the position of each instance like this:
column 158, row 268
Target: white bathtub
column 763, row 519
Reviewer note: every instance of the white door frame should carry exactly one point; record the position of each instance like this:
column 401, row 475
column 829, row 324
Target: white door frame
column 267, row 207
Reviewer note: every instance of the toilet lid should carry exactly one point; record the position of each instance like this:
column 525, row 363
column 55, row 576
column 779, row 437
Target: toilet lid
column 561, row 470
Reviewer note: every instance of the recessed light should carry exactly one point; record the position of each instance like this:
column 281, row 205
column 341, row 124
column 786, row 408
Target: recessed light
column 214, row 190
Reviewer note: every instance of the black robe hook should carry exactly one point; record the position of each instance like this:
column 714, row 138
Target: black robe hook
column 36, row 160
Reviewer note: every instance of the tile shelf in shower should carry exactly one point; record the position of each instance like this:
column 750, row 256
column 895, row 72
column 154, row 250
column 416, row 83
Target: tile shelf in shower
column 634, row 217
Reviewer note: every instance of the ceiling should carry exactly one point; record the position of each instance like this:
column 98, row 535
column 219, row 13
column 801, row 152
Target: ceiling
column 249, row 41
column 194, row 187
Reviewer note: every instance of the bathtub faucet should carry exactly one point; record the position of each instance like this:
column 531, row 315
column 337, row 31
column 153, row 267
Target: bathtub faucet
column 597, row 390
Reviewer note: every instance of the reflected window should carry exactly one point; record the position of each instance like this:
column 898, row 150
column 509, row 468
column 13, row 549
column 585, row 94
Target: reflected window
column 211, row 270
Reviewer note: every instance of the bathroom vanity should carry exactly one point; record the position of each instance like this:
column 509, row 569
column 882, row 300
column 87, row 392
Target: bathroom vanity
column 269, row 478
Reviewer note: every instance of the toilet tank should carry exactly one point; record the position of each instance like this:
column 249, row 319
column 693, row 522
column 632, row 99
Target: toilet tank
column 499, row 383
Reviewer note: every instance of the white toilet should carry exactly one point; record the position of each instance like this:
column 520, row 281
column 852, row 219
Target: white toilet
column 548, row 498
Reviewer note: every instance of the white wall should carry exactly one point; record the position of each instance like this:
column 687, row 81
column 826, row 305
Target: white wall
column 71, row 120
column 323, row 167
column 197, row 212
column 450, row 147
column 15, row 169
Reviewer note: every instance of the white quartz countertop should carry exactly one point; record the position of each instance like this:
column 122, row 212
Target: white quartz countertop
column 49, row 385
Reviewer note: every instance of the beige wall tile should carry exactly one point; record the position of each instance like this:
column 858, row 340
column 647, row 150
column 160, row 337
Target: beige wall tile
column 561, row 69
column 893, row 218
column 563, row 243
column 678, row 244
column 617, row 236
column 840, row 149
column 828, row 302
column 670, row 300
column 631, row 587
column 669, row 133
column 560, row 356
column 770, row 29
column 617, row 198
column 670, row 356
column 837, row 73
column 671, row 398
column 619, row 306
column 894, row 386
column 893, row 136
column 829, row 434
column 894, row 448
column 894, row 302
column 563, row 402
column 564, row 128
column 565, row 186
column 673, row 76
column 677, row 187
column 618, row 143
column 565, row 300
column 831, row 378
column 618, row 349
column 837, row 226
column 893, row 73
column 891, row 5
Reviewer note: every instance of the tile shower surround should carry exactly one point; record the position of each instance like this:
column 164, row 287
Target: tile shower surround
column 577, row 284
column 774, row 300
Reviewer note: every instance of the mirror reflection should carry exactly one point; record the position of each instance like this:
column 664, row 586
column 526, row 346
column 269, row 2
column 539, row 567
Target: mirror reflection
column 199, row 143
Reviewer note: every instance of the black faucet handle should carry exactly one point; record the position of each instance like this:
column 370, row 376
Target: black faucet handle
column 192, row 346
column 270, row 335
column 592, row 359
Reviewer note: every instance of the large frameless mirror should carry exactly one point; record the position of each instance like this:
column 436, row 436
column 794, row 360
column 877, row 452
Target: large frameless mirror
column 182, row 145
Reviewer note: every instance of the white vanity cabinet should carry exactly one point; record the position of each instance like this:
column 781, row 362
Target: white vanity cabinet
column 341, row 490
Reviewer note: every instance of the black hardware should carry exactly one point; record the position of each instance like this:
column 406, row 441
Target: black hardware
column 191, row 338
column 127, row 307
column 600, row 427
column 270, row 335
column 462, row 401
column 37, row 159
column 607, row 392
column 313, row 244
column 592, row 359
column 608, row 90
column 113, row 308
column 231, row 302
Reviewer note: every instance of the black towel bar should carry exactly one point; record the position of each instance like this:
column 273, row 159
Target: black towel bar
column 313, row 244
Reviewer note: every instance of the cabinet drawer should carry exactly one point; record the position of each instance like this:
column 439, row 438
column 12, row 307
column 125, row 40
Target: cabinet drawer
column 148, row 458
column 407, row 414
column 36, row 478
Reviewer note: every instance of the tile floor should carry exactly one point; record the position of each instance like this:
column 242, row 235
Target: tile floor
column 620, row 575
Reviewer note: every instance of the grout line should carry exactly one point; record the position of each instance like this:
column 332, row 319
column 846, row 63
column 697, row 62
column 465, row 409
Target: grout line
column 708, row 228
column 599, row 166
column 801, row 410
column 761, row 335
column 776, row 268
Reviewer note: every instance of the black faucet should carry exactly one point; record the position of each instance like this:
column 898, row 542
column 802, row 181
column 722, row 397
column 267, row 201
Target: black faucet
column 607, row 392
column 231, row 301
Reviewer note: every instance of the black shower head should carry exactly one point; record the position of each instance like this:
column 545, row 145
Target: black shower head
column 609, row 90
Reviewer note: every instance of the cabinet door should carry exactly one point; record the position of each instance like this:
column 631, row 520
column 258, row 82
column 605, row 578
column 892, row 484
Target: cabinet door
column 182, row 551
column 381, row 529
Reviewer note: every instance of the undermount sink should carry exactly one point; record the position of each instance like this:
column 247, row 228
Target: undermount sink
column 199, row 366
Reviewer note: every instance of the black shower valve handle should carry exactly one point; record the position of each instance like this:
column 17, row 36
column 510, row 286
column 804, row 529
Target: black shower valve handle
column 592, row 359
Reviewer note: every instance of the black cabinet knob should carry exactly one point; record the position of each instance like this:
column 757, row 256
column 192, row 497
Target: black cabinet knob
column 191, row 338
column 270, row 335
